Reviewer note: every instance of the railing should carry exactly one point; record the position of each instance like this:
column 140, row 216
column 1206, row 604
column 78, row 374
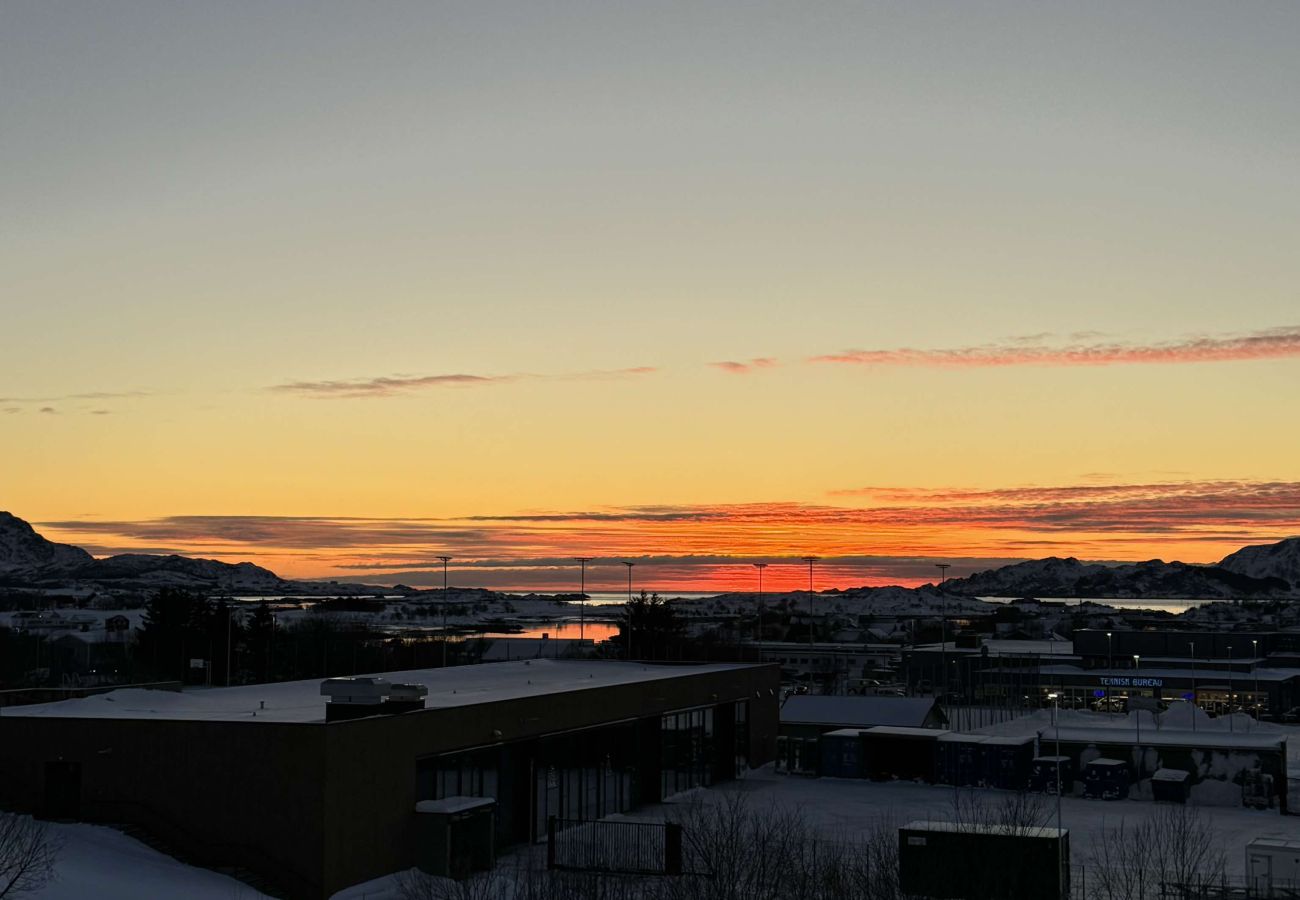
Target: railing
column 614, row 846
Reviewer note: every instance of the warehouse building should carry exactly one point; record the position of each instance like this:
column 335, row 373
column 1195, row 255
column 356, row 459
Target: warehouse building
column 318, row 795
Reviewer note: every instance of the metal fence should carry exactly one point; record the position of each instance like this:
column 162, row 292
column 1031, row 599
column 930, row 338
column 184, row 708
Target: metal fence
column 1087, row 883
column 614, row 846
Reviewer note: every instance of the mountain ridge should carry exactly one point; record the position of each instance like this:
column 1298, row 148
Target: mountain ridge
column 1266, row 571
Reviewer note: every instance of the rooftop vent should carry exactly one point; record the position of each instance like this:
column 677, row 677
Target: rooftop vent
column 355, row 698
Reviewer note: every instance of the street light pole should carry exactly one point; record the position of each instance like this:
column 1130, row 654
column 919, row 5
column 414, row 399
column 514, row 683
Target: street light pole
column 1192, row 645
column 1254, row 668
column 629, row 608
column 1137, row 715
column 1110, row 667
column 445, row 560
column 758, row 627
column 810, row 560
column 1230, row 710
column 1056, row 722
column 582, row 596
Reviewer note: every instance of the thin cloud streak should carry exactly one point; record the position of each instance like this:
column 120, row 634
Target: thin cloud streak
column 1193, row 520
column 744, row 368
column 1272, row 343
column 391, row 385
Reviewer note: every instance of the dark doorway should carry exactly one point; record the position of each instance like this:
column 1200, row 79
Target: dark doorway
column 62, row 790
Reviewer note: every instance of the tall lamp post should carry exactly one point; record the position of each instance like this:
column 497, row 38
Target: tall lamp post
column 629, row 608
column 1230, row 710
column 810, row 560
column 943, row 628
column 1137, row 715
column 758, row 626
column 445, row 560
column 1110, row 666
column 582, row 595
column 1056, row 724
column 1254, row 668
column 1192, row 645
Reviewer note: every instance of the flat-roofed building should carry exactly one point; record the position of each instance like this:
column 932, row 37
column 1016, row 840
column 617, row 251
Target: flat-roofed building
column 260, row 777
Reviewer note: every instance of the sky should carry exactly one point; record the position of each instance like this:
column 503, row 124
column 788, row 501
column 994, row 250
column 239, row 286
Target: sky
column 338, row 288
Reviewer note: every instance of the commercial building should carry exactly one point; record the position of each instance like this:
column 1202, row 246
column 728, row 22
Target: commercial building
column 262, row 778
column 1254, row 672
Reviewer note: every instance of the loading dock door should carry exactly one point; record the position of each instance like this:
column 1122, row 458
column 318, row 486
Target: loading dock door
column 62, row 790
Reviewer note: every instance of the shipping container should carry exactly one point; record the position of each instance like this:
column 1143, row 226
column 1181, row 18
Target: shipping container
column 906, row 754
column 1106, row 779
column 947, row 861
column 1046, row 773
column 1171, row 785
column 841, row 754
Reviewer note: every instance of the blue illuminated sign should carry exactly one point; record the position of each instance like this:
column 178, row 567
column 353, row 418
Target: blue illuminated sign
column 1132, row 682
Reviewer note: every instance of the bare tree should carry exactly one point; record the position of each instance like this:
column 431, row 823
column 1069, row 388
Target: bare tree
column 27, row 854
column 732, row 850
column 1173, row 848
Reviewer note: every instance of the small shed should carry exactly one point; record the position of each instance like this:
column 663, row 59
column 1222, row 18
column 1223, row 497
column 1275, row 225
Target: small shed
column 454, row 836
column 1171, row 785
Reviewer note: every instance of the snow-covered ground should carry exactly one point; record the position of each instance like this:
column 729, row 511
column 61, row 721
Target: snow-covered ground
column 106, row 864
column 843, row 808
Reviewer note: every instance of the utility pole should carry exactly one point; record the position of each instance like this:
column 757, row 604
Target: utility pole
column 758, row 626
column 445, row 560
column 582, row 596
column 1254, row 668
column 629, row 608
column 1192, row 646
column 230, row 614
column 943, row 632
column 810, row 560
column 1231, row 714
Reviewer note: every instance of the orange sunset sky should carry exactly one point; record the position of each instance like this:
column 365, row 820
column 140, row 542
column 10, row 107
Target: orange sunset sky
column 340, row 288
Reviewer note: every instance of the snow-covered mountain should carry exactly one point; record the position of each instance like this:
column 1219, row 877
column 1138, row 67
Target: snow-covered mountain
column 29, row 560
column 23, row 551
column 1055, row 577
column 1280, row 560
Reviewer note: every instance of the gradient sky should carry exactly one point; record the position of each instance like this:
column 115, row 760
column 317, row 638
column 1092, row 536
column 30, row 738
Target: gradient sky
column 337, row 287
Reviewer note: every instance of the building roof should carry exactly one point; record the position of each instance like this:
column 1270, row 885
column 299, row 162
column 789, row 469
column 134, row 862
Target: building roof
column 1163, row 737
column 862, row 712
column 301, row 701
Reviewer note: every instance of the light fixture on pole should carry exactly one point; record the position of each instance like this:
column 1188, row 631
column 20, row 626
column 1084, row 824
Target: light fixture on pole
column 1231, row 698
column 582, row 595
column 1192, row 645
column 629, row 608
column 445, row 560
column 1056, row 720
column 810, row 560
column 1137, row 715
column 1254, row 668
column 758, row 627
column 1110, row 665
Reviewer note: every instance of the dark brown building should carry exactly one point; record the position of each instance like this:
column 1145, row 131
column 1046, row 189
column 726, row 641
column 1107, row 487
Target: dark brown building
column 256, row 777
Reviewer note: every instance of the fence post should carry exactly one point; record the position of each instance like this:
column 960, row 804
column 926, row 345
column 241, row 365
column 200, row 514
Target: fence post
column 672, row 848
column 550, row 842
